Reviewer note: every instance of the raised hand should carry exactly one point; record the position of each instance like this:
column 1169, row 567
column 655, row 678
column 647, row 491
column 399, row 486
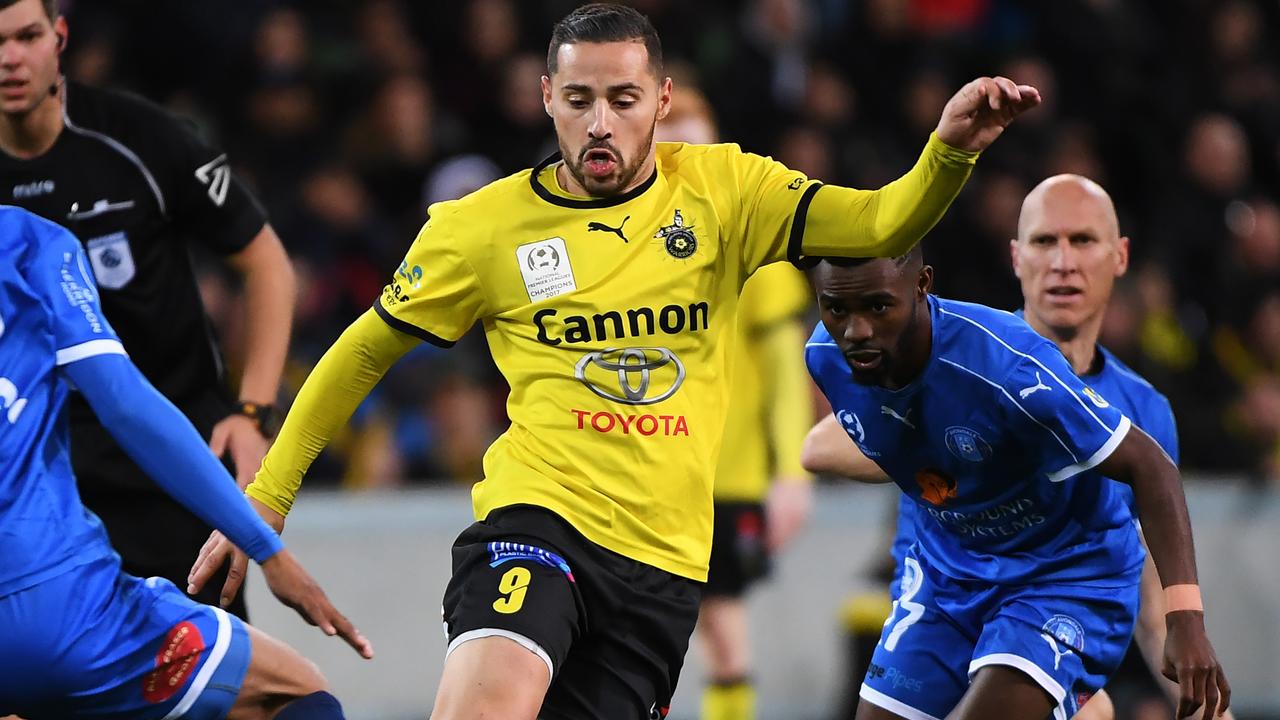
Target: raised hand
column 976, row 115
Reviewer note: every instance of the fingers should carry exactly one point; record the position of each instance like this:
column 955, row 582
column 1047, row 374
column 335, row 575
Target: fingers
column 1210, row 694
column 235, row 577
column 1190, row 692
column 348, row 632
column 218, row 440
column 1224, row 690
column 207, row 563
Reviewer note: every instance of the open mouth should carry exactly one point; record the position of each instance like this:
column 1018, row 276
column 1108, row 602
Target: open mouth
column 599, row 162
column 864, row 360
column 1064, row 293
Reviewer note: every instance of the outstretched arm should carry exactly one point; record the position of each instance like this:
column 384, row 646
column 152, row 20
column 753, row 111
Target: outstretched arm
column 889, row 221
column 163, row 442
column 1162, row 507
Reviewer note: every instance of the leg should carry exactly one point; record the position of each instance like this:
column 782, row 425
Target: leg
column 277, row 676
column 1099, row 707
column 491, row 677
column 722, row 631
column 1003, row 692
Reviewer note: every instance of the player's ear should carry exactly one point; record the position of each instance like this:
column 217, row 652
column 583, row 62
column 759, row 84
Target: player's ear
column 1122, row 256
column 924, row 282
column 1013, row 257
column 664, row 98
column 546, row 95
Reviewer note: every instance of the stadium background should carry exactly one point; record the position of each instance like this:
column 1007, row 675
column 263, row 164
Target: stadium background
column 348, row 118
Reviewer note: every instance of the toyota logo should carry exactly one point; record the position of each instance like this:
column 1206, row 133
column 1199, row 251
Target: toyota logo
column 632, row 376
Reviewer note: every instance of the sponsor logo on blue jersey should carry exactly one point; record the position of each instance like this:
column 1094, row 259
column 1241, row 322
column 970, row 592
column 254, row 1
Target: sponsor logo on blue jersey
column 501, row 552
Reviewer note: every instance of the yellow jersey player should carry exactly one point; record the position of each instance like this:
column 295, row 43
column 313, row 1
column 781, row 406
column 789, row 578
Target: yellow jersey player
column 607, row 280
column 769, row 407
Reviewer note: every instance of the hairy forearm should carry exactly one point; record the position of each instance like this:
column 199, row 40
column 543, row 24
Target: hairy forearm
column 270, row 293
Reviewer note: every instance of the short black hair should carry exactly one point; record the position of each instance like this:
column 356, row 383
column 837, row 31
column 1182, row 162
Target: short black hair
column 50, row 7
column 601, row 23
column 914, row 255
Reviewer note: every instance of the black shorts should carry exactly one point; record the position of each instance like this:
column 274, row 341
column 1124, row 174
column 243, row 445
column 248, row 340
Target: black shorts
column 738, row 554
column 613, row 631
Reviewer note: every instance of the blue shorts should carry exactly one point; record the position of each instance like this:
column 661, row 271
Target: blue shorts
column 95, row 642
column 1068, row 637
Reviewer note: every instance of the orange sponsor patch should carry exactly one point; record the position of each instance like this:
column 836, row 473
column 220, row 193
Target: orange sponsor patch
column 936, row 487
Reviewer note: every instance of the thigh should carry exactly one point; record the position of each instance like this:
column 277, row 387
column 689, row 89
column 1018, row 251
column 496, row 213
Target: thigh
column 918, row 669
column 1007, row 693
column 276, row 676
column 1067, row 638
column 738, row 554
column 627, row 665
column 110, row 645
column 513, row 586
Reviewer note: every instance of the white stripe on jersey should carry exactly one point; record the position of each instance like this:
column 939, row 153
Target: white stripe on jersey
column 1033, row 359
column 210, row 666
column 103, row 346
column 1102, row 454
column 1016, row 404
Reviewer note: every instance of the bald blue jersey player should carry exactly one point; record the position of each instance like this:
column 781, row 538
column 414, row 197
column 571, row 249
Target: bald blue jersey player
column 1027, row 562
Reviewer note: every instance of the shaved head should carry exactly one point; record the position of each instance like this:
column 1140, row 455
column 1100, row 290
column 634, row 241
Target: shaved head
column 1076, row 192
column 1067, row 256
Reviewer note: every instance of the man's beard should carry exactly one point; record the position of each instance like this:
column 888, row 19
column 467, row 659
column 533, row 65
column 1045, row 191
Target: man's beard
column 625, row 174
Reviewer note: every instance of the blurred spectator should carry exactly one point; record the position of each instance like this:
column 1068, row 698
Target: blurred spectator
column 351, row 118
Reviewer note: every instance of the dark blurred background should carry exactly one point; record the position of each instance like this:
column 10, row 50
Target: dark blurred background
column 349, row 118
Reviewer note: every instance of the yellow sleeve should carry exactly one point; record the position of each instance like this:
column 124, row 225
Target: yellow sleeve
column 887, row 222
column 787, row 397
column 335, row 388
column 436, row 294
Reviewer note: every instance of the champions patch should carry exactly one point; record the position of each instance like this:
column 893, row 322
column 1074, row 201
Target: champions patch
column 501, row 552
column 176, row 661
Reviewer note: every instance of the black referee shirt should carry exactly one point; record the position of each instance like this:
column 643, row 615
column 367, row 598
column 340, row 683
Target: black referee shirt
column 137, row 186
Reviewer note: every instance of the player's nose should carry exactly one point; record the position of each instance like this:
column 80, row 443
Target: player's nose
column 601, row 127
column 857, row 330
column 1063, row 257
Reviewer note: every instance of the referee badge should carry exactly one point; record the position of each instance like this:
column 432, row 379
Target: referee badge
column 678, row 238
column 111, row 259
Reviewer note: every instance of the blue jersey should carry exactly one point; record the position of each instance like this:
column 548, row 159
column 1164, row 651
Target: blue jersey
column 1147, row 407
column 996, row 444
column 49, row 316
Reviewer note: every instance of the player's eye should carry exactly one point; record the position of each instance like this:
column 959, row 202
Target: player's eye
column 623, row 104
column 28, row 36
column 577, row 103
column 837, row 310
column 879, row 308
column 1081, row 239
column 1043, row 240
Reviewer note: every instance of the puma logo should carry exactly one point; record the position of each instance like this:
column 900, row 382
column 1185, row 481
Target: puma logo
column 886, row 410
column 1053, row 645
column 594, row 226
column 1024, row 392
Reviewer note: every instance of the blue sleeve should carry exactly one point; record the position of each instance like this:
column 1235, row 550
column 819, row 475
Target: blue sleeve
column 164, row 444
column 1070, row 426
column 1163, row 428
column 59, row 273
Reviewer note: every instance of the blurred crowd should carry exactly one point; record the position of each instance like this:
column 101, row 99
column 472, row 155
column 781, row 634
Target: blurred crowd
column 348, row 118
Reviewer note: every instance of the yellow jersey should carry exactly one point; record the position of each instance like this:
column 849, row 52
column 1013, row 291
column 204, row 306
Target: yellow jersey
column 612, row 320
column 770, row 404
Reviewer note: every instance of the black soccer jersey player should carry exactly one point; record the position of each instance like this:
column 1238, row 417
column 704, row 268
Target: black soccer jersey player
column 139, row 189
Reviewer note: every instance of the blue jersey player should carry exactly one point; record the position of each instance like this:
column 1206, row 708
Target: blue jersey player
column 78, row 638
column 1020, row 594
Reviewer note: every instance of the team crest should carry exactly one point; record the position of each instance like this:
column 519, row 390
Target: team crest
column 1095, row 398
column 936, row 487
column 112, row 260
column 678, row 238
column 967, row 444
